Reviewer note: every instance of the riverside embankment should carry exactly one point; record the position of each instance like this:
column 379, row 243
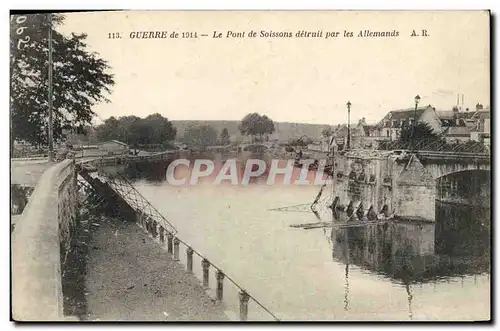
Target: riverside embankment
column 130, row 277
column 62, row 269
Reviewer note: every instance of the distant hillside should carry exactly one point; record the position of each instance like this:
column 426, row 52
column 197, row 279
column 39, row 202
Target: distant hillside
column 284, row 130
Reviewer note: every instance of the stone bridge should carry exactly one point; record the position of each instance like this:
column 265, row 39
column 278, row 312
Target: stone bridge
column 406, row 185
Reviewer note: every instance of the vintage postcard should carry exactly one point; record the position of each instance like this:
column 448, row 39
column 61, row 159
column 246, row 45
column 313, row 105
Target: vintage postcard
column 250, row 166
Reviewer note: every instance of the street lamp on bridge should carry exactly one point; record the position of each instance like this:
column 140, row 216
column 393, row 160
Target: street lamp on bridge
column 417, row 100
column 348, row 125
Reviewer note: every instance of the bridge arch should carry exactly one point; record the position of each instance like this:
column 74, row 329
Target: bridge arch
column 469, row 187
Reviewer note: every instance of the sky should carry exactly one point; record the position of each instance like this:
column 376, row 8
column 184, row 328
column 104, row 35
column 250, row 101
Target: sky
column 306, row 80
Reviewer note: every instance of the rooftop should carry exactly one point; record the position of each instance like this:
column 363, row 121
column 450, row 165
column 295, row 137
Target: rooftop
column 116, row 142
column 401, row 115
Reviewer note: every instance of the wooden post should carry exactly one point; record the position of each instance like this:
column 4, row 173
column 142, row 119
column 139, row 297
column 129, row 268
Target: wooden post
column 205, row 265
column 220, row 285
column 244, row 297
column 176, row 249
column 162, row 234
column 169, row 242
column 189, row 259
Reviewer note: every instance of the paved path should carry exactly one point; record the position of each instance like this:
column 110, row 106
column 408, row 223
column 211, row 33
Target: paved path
column 131, row 278
column 27, row 172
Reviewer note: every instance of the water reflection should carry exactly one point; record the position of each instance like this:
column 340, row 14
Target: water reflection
column 412, row 252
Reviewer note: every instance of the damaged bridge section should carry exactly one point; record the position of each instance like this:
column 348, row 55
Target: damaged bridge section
column 403, row 184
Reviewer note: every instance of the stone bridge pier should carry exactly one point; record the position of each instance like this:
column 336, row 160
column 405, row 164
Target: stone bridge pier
column 406, row 185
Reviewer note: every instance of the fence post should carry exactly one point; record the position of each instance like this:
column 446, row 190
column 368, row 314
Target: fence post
column 205, row 265
column 220, row 285
column 155, row 229
column 162, row 234
column 189, row 253
column 244, row 297
column 150, row 226
column 176, row 249
column 144, row 223
column 169, row 242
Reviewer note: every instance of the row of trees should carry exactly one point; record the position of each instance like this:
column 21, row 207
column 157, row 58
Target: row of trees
column 157, row 130
column 205, row 135
column 135, row 131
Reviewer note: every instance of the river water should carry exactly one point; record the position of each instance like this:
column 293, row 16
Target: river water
column 397, row 271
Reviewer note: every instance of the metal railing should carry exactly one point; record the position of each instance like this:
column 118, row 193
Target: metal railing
column 161, row 229
column 174, row 243
column 469, row 147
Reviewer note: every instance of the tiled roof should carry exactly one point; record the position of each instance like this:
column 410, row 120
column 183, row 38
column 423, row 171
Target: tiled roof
column 450, row 114
column 401, row 115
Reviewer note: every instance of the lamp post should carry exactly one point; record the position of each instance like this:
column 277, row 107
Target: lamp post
column 50, row 131
column 417, row 100
column 348, row 125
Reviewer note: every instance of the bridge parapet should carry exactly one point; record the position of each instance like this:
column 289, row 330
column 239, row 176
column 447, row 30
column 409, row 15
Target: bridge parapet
column 40, row 244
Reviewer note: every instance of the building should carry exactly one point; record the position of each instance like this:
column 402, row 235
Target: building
column 452, row 125
column 390, row 126
column 114, row 147
column 363, row 136
column 482, row 125
column 466, row 125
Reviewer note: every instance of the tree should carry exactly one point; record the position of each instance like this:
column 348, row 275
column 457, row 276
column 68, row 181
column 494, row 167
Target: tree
column 200, row 136
column 301, row 142
column 419, row 133
column 152, row 130
column 109, row 130
column 255, row 125
column 80, row 79
column 160, row 128
column 224, row 137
